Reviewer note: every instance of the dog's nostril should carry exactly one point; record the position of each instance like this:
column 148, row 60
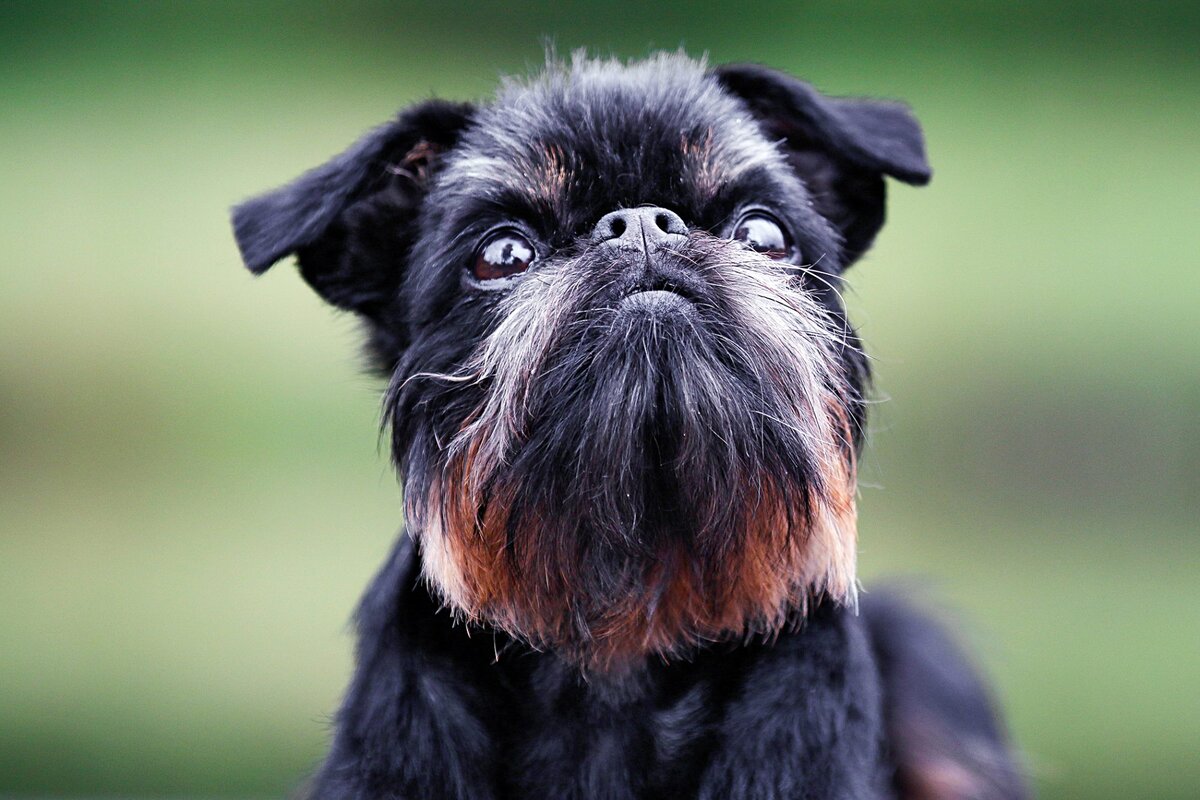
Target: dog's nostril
column 618, row 226
column 662, row 222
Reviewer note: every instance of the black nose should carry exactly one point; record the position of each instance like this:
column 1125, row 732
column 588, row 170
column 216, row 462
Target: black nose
column 639, row 228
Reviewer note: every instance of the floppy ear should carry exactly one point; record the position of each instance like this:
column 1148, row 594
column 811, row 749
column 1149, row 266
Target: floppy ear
column 349, row 221
column 841, row 147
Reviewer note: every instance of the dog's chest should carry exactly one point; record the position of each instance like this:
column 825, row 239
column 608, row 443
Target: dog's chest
column 649, row 737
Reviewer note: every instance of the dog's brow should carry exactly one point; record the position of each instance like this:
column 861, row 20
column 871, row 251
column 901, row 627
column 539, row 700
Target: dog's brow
column 547, row 174
column 537, row 180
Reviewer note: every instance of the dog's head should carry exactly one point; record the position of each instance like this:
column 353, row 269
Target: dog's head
column 624, row 397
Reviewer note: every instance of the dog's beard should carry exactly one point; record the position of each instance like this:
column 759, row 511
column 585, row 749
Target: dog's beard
column 634, row 481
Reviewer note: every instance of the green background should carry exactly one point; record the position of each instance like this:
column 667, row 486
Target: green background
column 191, row 493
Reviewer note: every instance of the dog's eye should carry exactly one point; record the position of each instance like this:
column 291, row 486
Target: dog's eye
column 764, row 233
column 503, row 254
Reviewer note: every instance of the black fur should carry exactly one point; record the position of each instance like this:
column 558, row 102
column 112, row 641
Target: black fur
column 631, row 565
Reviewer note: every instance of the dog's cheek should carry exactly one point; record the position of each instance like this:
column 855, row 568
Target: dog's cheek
column 451, row 537
column 830, row 563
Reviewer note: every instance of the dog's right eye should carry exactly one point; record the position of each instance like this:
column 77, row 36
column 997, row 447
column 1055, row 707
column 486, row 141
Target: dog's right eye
column 503, row 254
column 764, row 233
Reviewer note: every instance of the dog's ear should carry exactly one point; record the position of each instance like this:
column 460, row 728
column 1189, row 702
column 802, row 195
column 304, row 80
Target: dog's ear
column 350, row 220
column 841, row 147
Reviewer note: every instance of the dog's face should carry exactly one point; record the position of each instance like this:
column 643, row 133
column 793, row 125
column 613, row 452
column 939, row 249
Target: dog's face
column 624, row 398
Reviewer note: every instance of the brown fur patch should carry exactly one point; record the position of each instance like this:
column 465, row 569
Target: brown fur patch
column 940, row 779
column 684, row 594
column 550, row 175
column 417, row 163
column 933, row 764
column 698, row 155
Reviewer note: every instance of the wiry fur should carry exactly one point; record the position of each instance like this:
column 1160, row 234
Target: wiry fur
column 630, row 485
column 632, row 564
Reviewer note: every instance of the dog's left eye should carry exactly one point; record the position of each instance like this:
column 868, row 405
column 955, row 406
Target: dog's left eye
column 764, row 233
column 503, row 254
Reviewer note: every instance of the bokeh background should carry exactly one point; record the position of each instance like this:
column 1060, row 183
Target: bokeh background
column 191, row 494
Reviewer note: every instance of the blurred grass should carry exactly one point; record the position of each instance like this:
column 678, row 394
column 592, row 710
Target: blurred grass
column 191, row 497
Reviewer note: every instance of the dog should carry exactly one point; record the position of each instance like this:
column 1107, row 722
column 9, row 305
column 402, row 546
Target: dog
column 625, row 404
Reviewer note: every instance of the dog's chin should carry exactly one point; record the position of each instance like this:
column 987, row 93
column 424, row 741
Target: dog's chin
column 672, row 472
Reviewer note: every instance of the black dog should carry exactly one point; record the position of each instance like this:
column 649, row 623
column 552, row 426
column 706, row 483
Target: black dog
column 625, row 404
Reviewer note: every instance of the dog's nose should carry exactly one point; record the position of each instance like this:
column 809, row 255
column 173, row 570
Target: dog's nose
column 639, row 228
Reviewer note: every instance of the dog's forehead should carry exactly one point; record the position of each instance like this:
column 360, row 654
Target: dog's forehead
column 661, row 132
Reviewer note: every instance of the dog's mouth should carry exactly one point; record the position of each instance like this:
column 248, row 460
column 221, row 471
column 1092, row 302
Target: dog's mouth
column 659, row 295
column 654, row 301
